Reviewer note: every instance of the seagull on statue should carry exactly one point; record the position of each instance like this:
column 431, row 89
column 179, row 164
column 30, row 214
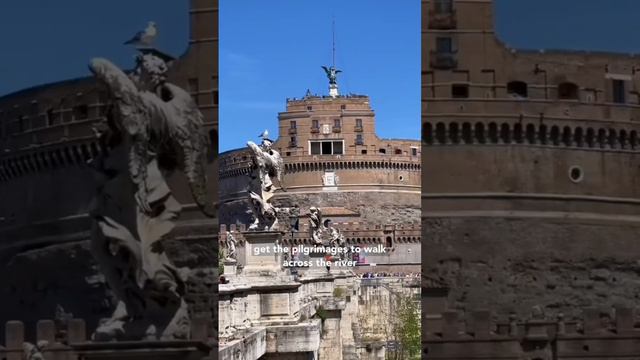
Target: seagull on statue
column 265, row 134
column 145, row 37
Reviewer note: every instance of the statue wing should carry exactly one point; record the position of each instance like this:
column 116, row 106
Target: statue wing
column 189, row 133
column 326, row 70
column 338, row 71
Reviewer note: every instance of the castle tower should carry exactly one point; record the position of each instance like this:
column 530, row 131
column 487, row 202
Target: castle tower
column 528, row 156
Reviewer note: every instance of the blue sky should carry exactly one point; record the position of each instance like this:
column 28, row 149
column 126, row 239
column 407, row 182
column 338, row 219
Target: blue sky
column 273, row 50
column 46, row 41
column 570, row 24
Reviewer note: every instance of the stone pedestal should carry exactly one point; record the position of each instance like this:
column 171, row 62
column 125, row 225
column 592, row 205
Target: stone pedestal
column 260, row 257
column 230, row 268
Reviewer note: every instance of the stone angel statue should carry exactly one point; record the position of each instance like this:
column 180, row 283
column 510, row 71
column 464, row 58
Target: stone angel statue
column 231, row 243
column 153, row 129
column 315, row 224
column 267, row 166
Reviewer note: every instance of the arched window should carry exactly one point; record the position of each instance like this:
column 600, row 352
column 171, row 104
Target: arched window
column 466, row 133
column 480, row 133
column 493, row 133
column 441, row 133
column 517, row 89
column 517, row 133
column 505, row 133
column 427, row 133
column 530, row 134
column 568, row 91
column 454, row 133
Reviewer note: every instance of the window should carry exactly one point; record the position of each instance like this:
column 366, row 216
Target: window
column 398, row 151
column 568, row 91
column 309, row 108
column 293, row 124
column 315, row 124
column 459, row 91
column 359, row 122
column 363, row 152
column 294, row 142
column 336, row 123
column 81, row 112
column 382, row 151
column 326, row 147
column 215, row 97
column 414, row 151
column 517, row 89
column 359, row 139
column 618, row 92
column 444, row 45
column 343, row 107
column 444, row 6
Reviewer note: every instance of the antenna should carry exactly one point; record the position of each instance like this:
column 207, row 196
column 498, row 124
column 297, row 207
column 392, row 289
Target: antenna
column 333, row 31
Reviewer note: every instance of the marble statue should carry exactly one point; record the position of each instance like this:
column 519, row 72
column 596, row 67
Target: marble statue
column 315, row 225
column 231, row 247
column 153, row 128
column 267, row 166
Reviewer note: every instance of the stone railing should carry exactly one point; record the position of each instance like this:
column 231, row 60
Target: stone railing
column 354, row 232
column 478, row 336
column 72, row 343
column 568, row 136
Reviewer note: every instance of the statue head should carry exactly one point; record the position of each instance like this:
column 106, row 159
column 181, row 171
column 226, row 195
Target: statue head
column 151, row 71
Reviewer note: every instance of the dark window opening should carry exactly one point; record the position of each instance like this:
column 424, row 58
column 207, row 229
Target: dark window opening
column 315, row 148
column 293, row 124
column 444, row 6
column 309, row 108
column 326, row 148
column 444, row 45
column 336, row 123
column 315, row 124
column 568, row 91
column 414, row 152
column 459, row 91
column 619, row 92
column 364, row 152
column 382, row 151
column 398, row 151
column 517, row 88
column 81, row 112
column 359, row 139
column 343, row 107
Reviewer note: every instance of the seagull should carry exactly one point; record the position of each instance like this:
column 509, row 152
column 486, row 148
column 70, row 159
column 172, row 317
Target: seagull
column 264, row 134
column 145, row 37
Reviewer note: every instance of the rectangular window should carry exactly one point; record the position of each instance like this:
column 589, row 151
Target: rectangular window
column 359, row 139
column 414, row 151
column 398, row 151
column 359, row 122
column 444, row 6
column 444, row 45
column 215, row 97
column 309, row 108
column 619, row 92
column 315, row 124
column 293, row 124
column 337, row 147
column 343, row 107
column 336, row 123
column 315, row 148
column 459, row 91
column 327, row 147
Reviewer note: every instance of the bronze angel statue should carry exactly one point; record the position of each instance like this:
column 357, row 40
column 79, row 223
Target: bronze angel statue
column 332, row 74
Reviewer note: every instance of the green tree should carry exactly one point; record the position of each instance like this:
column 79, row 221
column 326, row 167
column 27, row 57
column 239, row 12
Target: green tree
column 407, row 328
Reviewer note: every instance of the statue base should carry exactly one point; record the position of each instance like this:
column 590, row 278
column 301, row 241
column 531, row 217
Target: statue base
column 333, row 90
column 262, row 256
column 230, row 268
